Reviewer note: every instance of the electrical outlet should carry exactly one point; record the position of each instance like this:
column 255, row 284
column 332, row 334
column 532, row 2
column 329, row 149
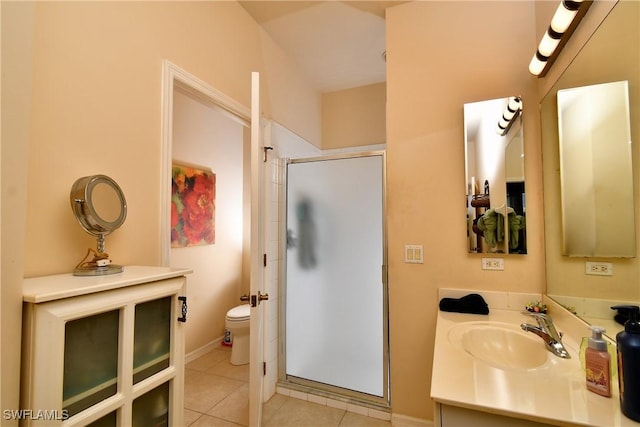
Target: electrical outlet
column 413, row 254
column 493, row 263
column 599, row 268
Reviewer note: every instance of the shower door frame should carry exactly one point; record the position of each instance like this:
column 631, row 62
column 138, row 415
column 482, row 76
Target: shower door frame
column 314, row 387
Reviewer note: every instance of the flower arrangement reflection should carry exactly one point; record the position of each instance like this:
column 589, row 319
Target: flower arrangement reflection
column 192, row 206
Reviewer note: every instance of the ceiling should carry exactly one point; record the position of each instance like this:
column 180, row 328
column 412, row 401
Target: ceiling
column 338, row 44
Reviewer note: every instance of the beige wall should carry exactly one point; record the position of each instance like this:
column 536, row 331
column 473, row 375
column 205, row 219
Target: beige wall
column 354, row 117
column 441, row 55
column 17, row 72
column 287, row 93
column 96, row 108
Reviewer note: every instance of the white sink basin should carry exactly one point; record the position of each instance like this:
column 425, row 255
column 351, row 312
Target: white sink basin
column 501, row 345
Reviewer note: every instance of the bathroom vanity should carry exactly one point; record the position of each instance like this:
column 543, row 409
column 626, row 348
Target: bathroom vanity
column 488, row 372
column 104, row 350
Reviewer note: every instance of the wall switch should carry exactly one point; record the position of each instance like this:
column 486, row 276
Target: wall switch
column 599, row 268
column 413, row 254
column 493, row 263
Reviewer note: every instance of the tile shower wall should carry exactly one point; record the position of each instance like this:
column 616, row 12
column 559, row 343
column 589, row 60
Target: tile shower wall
column 285, row 145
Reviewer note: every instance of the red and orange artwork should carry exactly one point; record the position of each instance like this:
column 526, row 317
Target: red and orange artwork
column 193, row 193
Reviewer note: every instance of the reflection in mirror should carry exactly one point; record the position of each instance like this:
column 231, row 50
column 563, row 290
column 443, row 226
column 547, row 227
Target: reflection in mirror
column 106, row 202
column 596, row 178
column 611, row 54
column 494, row 168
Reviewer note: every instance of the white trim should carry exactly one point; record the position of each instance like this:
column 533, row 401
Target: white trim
column 176, row 77
column 355, row 149
column 398, row 420
column 203, row 350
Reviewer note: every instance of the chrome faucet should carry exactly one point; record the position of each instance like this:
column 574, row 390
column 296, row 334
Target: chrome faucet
column 547, row 331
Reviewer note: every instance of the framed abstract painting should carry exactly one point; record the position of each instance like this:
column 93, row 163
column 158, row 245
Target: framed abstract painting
column 193, row 205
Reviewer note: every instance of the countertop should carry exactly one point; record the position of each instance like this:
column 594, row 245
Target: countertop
column 49, row 288
column 555, row 394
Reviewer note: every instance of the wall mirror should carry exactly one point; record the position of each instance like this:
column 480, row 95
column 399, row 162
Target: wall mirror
column 612, row 54
column 494, row 176
column 99, row 205
column 596, row 176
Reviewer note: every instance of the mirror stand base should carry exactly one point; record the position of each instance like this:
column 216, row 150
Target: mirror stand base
column 98, row 271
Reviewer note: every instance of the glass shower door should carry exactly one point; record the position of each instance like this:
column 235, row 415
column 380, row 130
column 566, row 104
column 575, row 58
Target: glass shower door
column 336, row 326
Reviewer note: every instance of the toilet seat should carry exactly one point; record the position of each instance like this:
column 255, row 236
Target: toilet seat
column 239, row 313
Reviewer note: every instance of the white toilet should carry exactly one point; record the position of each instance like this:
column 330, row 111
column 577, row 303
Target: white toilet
column 237, row 322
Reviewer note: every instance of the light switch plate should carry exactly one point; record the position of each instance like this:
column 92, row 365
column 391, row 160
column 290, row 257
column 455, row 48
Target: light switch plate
column 413, row 254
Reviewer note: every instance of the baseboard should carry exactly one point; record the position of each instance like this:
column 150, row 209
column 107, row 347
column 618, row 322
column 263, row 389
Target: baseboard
column 203, row 350
column 398, row 420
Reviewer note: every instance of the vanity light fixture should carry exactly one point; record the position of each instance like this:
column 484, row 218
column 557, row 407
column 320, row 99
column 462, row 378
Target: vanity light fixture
column 513, row 110
column 564, row 22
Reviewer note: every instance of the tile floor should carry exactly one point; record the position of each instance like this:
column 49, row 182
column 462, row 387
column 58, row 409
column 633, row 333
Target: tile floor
column 217, row 395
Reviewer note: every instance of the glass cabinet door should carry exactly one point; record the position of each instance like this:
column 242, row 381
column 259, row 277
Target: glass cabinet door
column 152, row 335
column 109, row 420
column 152, row 408
column 90, row 360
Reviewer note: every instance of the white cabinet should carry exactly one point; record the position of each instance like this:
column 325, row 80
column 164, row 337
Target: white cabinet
column 456, row 416
column 106, row 350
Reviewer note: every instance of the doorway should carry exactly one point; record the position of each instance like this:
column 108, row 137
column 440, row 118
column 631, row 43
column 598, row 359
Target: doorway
column 243, row 218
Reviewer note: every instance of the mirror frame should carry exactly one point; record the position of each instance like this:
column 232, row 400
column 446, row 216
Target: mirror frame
column 84, row 209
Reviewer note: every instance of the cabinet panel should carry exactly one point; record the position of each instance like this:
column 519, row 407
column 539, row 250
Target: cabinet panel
column 152, row 408
column 90, row 360
column 455, row 416
column 109, row 420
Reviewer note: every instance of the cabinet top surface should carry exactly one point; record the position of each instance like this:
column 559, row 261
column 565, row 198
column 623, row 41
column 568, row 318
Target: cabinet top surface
column 51, row 288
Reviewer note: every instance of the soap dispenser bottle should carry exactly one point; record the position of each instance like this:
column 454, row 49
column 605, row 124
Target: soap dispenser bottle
column 598, row 363
column 628, row 343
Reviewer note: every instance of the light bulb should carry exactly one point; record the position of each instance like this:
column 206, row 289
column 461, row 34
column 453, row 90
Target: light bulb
column 536, row 66
column 547, row 45
column 562, row 18
column 515, row 104
column 508, row 115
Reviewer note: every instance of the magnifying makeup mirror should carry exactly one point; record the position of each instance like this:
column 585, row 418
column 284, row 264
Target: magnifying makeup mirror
column 100, row 208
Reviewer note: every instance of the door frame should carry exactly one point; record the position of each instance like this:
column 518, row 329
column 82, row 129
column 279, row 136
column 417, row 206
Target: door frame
column 313, row 387
column 175, row 77
column 172, row 77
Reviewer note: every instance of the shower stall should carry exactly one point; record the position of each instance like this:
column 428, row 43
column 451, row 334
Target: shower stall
column 335, row 326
